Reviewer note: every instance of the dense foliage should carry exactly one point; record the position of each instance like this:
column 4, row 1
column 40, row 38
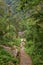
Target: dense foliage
column 25, row 16
column 8, row 34
column 5, row 57
column 34, row 33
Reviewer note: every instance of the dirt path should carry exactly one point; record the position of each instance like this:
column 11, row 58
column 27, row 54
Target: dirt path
column 24, row 58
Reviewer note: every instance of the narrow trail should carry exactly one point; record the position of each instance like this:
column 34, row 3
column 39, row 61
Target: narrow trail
column 24, row 58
